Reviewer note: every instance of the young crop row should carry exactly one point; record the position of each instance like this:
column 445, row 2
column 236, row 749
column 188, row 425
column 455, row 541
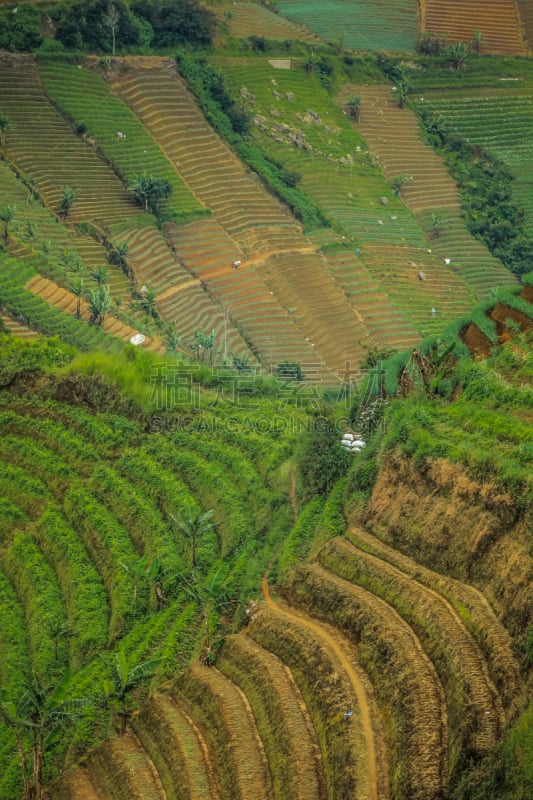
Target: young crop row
column 386, row 25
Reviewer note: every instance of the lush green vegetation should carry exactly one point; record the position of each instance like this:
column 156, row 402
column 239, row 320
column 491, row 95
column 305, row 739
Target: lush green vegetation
column 138, row 521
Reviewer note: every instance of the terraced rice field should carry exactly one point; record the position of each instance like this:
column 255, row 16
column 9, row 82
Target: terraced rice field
column 208, row 252
column 37, row 235
column 366, row 681
column 16, row 328
column 246, row 215
column 483, row 119
column 246, row 19
column 412, row 667
column 84, row 97
column 57, row 562
column 394, row 138
column 42, row 145
column 497, row 20
column 359, row 25
column 381, row 281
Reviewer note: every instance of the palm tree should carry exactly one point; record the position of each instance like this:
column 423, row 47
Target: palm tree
column 401, row 91
column 148, row 303
column 138, row 572
column 99, row 304
column 67, row 201
column 458, row 53
column 117, row 256
column 311, row 62
column 150, row 191
column 77, row 287
column 34, row 717
column 99, row 275
column 7, row 214
column 436, row 225
column 212, row 594
column 398, row 181
column 194, row 525
column 4, row 124
column 124, row 679
column 477, row 39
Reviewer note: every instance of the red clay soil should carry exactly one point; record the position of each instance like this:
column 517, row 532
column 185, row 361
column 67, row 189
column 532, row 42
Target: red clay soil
column 527, row 293
column 476, row 341
column 501, row 313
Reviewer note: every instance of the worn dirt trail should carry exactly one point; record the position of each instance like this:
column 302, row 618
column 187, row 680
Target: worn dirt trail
column 355, row 680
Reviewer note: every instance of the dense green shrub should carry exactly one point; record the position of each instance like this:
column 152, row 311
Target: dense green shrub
column 322, row 460
column 20, row 31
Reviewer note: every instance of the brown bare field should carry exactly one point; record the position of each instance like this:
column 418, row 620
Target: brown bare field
column 474, row 706
column 249, row 222
column 332, row 683
column 208, row 252
column 282, row 718
column 470, row 604
column 498, row 21
column 177, row 749
column 460, row 526
column 404, row 678
column 223, row 714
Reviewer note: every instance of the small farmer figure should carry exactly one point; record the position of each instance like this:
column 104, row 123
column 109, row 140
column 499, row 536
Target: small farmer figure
column 236, row 264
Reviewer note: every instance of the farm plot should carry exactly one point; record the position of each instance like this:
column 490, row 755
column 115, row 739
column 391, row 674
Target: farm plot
column 83, row 96
column 42, row 145
column 359, row 25
column 394, row 138
column 474, row 707
column 353, row 756
column 484, row 120
column 391, row 653
column 276, row 336
column 39, row 315
column 37, row 235
column 478, row 616
column 335, row 170
column 160, row 99
column 65, row 301
column 497, row 20
column 282, row 718
column 247, row 215
column 247, row 19
column 120, row 768
column 177, row 748
column 222, row 712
